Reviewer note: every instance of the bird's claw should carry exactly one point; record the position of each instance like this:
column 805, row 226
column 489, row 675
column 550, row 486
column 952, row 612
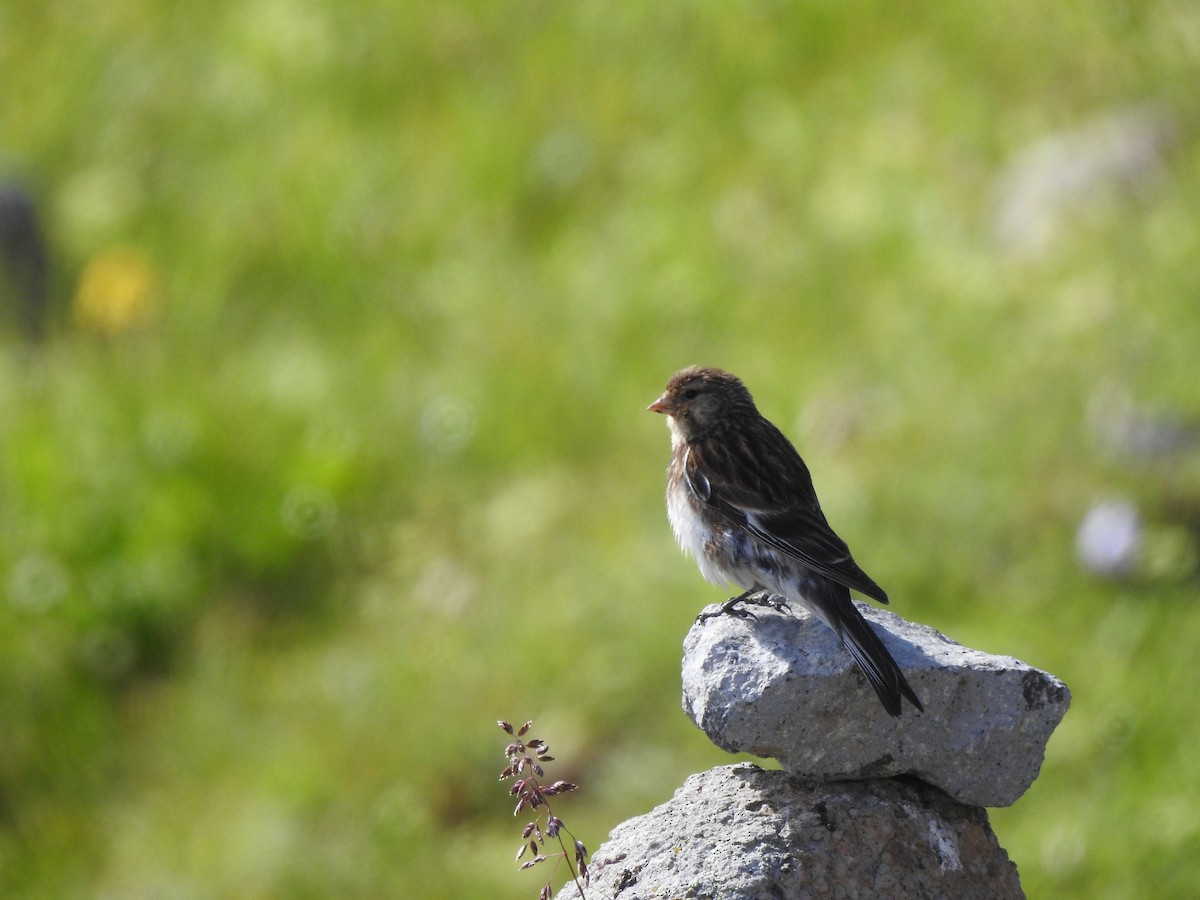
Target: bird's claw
column 756, row 598
column 727, row 609
column 778, row 605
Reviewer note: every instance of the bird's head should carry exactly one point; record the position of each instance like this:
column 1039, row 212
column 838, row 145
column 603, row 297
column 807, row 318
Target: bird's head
column 697, row 399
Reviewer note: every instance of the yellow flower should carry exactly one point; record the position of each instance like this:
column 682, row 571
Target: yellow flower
column 118, row 291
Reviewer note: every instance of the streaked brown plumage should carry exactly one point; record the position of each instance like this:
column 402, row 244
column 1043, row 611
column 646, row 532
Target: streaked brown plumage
column 741, row 501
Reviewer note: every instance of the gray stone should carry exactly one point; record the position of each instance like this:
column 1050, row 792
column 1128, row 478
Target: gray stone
column 741, row 833
column 784, row 687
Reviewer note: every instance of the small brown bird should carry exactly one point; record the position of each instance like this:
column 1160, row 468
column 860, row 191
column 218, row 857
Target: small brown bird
column 741, row 501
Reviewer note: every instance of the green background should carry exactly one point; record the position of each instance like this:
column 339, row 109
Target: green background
column 368, row 467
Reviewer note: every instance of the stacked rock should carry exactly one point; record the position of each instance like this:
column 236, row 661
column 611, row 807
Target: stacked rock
column 865, row 805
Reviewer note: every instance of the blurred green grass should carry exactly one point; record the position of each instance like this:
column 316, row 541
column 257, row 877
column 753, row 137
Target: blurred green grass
column 374, row 470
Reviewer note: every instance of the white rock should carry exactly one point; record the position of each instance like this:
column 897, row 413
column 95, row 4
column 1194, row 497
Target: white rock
column 784, row 687
column 742, row 833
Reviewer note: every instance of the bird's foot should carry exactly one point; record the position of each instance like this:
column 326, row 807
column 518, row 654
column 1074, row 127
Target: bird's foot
column 776, row 602
column 729, row 608
column 754, row 598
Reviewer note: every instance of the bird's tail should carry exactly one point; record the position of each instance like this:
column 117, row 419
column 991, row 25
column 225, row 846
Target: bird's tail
column 831, row 602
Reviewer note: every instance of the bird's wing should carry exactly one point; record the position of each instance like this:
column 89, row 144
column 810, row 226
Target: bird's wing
column 764, row 489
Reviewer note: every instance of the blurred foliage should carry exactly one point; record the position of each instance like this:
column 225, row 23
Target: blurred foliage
column 335, row 451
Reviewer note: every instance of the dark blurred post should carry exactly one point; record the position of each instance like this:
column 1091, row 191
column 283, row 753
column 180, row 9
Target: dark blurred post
column 24, row 263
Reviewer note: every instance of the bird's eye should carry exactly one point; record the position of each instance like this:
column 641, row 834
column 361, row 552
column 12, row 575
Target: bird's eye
column 691, row 394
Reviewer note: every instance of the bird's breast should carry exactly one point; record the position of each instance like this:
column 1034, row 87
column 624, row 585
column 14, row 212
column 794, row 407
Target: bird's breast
column 693, row 533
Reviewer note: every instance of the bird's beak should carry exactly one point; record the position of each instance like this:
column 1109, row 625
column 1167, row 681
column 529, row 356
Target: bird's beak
column 660, row 405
